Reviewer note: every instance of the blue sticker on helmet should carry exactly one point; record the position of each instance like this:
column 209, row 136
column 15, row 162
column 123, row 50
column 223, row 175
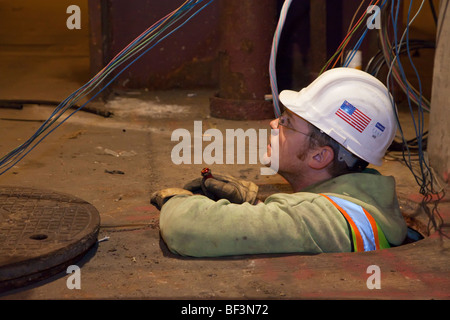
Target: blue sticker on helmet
column 380, row 127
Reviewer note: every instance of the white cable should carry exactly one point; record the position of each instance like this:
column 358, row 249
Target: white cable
column 273, row 57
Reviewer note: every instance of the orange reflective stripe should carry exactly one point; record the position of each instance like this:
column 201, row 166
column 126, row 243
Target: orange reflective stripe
column 374, row 228
column 359, row 239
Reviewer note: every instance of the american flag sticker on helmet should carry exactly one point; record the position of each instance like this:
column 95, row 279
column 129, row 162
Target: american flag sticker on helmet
column 353, row 116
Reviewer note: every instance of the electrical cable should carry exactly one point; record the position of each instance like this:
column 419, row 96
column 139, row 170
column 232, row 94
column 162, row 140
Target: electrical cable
column 341, row 49
column 134, row 51
column 378, row 61
column 433, row 12
column 351, row 23
column 352, row 53
column 273, row 57
column 430, row 187
column 388, row 48
column 402, row 73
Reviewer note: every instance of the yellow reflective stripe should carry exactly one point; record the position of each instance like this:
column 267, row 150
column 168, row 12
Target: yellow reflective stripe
column 384, row 244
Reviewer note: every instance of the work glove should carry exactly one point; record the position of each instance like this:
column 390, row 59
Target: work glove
column 159, row 198
column 219, row 186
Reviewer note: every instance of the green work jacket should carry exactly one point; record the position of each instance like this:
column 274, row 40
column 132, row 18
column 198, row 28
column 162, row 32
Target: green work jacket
column 285, row 223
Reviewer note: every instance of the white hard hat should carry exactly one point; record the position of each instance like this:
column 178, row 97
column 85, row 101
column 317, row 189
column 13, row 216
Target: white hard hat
column 352, row 107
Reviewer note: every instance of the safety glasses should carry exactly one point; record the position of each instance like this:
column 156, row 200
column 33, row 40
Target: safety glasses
column 284, row 120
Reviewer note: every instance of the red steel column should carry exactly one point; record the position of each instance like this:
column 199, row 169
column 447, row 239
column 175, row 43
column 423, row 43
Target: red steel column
column 247, row 29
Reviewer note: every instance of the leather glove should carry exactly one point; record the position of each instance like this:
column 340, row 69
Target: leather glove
column 219, row 186
column 159, row 198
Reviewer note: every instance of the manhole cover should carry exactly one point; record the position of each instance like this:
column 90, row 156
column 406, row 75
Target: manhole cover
column 41, row 233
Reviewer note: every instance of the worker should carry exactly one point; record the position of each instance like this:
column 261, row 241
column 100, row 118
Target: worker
column 328, row 134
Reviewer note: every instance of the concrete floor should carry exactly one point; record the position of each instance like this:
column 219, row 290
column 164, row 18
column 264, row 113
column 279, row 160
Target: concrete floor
column 134, row 263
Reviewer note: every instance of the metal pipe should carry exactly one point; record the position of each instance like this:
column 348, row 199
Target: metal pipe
column 246, row 32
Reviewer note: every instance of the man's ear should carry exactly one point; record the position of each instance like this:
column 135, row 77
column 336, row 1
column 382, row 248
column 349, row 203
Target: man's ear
column 321, row 157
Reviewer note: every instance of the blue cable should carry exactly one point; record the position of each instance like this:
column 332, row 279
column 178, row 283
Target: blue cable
column 419, row 130
column 419, row 134
column 359, row 42
column 355, row 49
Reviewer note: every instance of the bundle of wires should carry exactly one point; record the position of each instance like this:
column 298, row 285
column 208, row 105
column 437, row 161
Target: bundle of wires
column 122, row 61
column 430, row 187
column 392, row 50
column 378, row 61
column 338, row 56
column 413, row 150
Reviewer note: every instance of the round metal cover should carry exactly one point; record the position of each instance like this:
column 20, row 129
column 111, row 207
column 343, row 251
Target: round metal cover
column 41, row 233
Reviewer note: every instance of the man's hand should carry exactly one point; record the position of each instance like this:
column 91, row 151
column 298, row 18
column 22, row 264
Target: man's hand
column 220, row 186
column 159, row 198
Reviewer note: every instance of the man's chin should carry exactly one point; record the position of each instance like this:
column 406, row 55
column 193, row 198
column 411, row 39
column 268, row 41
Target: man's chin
column 266, row 158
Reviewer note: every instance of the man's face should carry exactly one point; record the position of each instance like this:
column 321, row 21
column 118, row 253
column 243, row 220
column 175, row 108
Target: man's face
column 293, row 142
